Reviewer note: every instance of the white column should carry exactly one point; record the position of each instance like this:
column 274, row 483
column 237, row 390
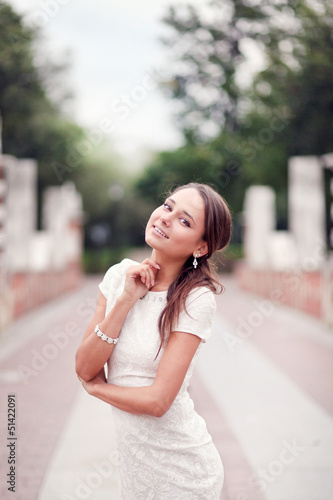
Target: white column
column 62, row 213
column 307, row 210
column 259, row 222
column 21, row 210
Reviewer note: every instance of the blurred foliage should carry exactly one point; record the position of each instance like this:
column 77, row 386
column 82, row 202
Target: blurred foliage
column 241, row 134
column 99, row 260
column 299, row 78
column 207, row 41
column 211, row 42
column 36, row 126
column 33, row 125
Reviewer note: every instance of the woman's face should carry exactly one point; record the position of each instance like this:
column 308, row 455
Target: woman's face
column 176, row 227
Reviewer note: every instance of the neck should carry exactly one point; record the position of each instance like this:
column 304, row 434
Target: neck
column 168, row 272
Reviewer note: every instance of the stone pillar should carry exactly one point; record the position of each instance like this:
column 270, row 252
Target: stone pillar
column 282, row 251
column 21, row 211
column 259, row 222
column 307, row 210
column 40, row 251
column 62, row 219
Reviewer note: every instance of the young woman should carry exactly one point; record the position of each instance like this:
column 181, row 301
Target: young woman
column 149, row 324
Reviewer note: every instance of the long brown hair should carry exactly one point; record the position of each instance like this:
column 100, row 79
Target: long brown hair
column 217, row 233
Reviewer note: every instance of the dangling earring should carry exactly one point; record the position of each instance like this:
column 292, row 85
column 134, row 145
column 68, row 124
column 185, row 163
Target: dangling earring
column 195, row 262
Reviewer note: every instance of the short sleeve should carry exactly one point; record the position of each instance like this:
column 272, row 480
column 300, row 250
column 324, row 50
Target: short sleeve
column 114, row 276
column 199, row 314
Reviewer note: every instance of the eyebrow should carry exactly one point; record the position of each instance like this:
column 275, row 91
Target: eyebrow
column 184, row 211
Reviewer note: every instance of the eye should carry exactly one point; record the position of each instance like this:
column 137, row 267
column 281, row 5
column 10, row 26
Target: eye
column 186, row 222
column 166, row 206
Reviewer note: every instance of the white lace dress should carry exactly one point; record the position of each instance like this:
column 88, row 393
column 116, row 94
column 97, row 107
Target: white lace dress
column 170, row 457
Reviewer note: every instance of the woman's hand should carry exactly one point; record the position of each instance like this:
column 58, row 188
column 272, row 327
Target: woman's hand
column 139, row 279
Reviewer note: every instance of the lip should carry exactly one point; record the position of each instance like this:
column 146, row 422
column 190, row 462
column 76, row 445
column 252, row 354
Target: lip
column 157, row 231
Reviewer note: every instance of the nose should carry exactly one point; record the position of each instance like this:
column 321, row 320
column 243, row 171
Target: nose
column 165, row 219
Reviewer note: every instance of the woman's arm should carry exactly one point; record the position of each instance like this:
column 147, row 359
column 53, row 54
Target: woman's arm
column 157, row 398
column 93, row 352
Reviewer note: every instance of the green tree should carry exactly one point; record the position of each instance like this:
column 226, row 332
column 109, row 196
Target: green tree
column 286, row 109
column 299, row 78
column 217, row 163
column 33, row 125
column 210, row 44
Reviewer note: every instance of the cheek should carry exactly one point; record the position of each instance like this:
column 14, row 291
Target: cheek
column 152, row 217
column 184, row 238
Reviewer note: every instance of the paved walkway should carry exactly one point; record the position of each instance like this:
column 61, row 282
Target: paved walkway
column 263, row 383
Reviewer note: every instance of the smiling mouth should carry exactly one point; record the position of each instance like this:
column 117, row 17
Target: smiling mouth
column 159, row 231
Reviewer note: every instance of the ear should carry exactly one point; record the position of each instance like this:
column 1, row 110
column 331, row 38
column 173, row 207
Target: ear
column 201, row 250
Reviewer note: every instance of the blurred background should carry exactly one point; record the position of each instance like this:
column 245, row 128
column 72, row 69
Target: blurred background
column 106, row 105
column 113, row 103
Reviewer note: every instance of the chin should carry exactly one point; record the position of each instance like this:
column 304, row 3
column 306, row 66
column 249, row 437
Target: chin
column 149, row 241
column 149, row 244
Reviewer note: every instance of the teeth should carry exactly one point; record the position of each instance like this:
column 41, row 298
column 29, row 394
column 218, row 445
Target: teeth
column 160, row 232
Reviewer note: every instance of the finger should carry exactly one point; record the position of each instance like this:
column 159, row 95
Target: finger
column 152, row 263
column 150, row 276
column 143, row 274
column 135, row 273
column 151, row 273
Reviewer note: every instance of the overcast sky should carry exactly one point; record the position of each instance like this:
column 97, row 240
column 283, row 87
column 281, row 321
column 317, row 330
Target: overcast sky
column 114, row 51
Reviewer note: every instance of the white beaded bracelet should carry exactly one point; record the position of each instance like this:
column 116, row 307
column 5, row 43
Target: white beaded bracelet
column 102, row 335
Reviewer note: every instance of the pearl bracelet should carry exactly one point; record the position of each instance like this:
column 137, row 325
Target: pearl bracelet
column 102, row 335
